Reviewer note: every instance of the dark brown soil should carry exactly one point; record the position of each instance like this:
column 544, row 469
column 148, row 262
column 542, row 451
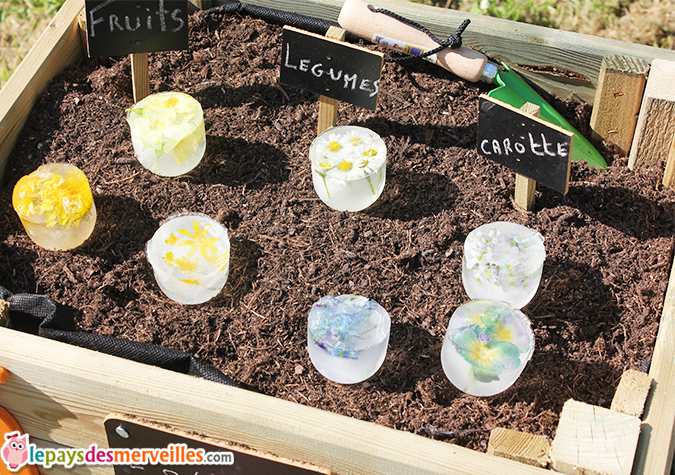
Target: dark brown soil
column 609, row 240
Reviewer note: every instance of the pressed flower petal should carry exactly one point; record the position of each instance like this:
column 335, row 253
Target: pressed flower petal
column 348, row 153
column 484, row 376
column 508, row 328
column 164, row 120
column 190, row 144
column 494, row 356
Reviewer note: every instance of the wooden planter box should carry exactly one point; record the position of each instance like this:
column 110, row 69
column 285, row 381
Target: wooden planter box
column 61, row 394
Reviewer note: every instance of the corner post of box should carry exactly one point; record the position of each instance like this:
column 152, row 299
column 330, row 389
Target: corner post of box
column 621, row 85
column 655, row 128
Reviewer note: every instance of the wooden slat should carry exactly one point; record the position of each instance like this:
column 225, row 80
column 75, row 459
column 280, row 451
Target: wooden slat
column 656, row 124
column 140, row 78
column 61, row 393
column 669, row 173
column 655, row 449
column 512, row 42
column 593, row 440
column 58, row 46
column 631, row 393
column 525, row 448
column 617, row 101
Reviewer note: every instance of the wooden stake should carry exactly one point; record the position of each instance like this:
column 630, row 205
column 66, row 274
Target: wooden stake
column 621, row 84
column 669, row 174
column 525, row 187
column 139, row 75
column 631, row 393
column 519, row 446
column 656, row 122
column 593, row 440
column 82, row 23
column 328, row 107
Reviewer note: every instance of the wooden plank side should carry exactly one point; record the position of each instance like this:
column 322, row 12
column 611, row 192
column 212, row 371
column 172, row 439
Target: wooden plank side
column 62, row 393
column 617, row 101
column 525, row 448
column 631, row 393
column 669, row 173
column 655, row 449
column 58, row 46
column 509, row 41
column 655, row 128
column 593, row 440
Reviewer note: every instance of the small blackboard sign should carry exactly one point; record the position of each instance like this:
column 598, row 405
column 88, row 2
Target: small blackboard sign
column 121, row 27
column 527, row 145
column 331, row 68
column 127, row 432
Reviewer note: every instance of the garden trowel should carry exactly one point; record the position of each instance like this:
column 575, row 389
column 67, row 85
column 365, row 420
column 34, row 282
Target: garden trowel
column 391, row 31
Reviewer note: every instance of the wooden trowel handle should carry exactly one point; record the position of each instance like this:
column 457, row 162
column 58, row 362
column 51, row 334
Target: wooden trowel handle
column 358, row 19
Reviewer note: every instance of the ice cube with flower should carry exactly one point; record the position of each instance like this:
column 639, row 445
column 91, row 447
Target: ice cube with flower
column 56, row 206
column 348, row 167
column 503, row 260
column 190, row 256
column 168, row 132
column 347, row 337
column 487, row 345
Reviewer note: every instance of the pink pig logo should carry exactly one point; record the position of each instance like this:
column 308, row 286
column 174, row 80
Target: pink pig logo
column 14, row 452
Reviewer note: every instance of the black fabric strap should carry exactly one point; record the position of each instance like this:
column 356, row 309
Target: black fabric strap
column 280, row 17
column 320, row 26
column 40, row 315
column 454, row 41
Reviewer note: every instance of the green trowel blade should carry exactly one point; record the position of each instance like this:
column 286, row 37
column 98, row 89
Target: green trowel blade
column 514, row 91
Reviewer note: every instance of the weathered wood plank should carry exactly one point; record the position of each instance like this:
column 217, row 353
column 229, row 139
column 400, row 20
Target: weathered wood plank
column 593, row 440
column 631, row 393
column 655, row 448
column 61, row 393
column 669, row 173
column 509, row 41
column 525, row 448
column 656, row 124
column 58, row 46
column 617, row 101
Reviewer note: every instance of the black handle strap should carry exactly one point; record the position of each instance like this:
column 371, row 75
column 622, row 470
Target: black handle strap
column 454, row 41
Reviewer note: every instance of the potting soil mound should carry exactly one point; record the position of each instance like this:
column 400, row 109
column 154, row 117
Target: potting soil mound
column 596, row 313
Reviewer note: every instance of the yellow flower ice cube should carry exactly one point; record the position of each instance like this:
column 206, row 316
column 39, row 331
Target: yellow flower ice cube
column 55, row 206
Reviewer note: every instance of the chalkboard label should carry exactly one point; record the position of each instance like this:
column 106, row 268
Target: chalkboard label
column 527, row 145
column 127, row 432
column 331, row 68
column 120, row 27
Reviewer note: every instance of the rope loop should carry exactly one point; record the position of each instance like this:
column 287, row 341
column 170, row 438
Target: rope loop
column 454, row 41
